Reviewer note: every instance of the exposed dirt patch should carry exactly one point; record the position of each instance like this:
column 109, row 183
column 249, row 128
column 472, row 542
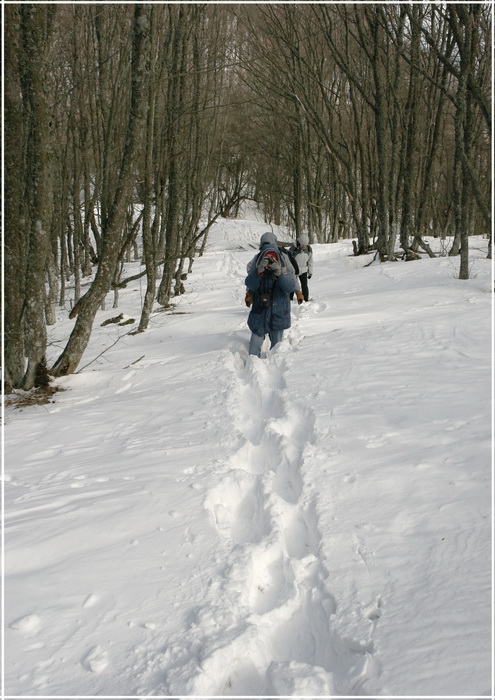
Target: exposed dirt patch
column 36, row 397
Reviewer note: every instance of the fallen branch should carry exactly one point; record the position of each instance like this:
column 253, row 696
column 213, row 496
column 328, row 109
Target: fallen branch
column 102, row 352
column 133, row 363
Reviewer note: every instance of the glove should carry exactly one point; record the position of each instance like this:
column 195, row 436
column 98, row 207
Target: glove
column 262, row 265
column 248, row 299
column 275, row 267
column 300, row 296
column 310, row 276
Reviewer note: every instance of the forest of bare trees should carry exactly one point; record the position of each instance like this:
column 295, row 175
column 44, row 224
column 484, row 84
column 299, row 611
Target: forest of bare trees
column 129, row 129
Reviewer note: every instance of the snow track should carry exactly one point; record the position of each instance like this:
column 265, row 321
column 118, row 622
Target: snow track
column 275, row 637
column 264, row 627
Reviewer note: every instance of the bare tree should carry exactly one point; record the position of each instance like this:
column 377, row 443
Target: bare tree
column 28, row 188
column 112, row 225
column 132, row 128
column 461, row 50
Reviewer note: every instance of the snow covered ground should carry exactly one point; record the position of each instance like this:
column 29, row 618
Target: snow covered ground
column 185, row 520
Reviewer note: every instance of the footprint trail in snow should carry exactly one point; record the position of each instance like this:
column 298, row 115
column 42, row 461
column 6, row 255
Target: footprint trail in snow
column 265, row 625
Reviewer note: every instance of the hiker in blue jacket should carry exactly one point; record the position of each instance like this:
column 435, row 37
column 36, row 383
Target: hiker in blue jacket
column 271, row 278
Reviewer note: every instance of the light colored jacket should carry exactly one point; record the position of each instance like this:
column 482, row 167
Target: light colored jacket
column 304, row 258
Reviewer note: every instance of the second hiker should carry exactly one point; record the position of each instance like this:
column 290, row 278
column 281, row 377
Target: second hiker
column 303, row 254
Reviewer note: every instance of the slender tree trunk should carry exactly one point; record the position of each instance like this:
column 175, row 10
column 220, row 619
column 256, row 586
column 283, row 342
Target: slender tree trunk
column 408, row 178
column 149, row 227
column 385, row 248
column 89, row 303
column 175, row 113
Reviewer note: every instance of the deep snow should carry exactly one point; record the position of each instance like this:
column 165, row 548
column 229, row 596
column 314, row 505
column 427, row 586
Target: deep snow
column 185, row 520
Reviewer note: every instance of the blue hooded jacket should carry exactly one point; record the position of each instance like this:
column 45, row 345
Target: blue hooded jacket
column 275, row 316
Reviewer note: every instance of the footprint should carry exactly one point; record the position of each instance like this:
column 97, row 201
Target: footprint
column 96, row 660
column 237, row 509
column 28, row 623
column 299, row 539
column 374, row 612
column 272, row 580
column 243, row 677
column 287, row 483
column 293, row 678
column 90, row 601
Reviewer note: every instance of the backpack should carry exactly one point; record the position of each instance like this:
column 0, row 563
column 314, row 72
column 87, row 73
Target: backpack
column 292, row 259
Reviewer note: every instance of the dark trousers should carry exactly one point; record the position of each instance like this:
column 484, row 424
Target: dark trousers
column 304, row 286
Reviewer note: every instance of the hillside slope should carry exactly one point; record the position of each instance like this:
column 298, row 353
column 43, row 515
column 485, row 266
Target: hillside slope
column 185, row 520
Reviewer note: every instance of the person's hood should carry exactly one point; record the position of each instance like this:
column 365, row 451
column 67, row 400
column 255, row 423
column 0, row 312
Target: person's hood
column 270, row 239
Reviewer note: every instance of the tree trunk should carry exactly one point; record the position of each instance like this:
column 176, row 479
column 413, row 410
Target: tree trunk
column 149, row 227
column 385, row 242
column 36, row 22
column 15, row 243
column 88, row 304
